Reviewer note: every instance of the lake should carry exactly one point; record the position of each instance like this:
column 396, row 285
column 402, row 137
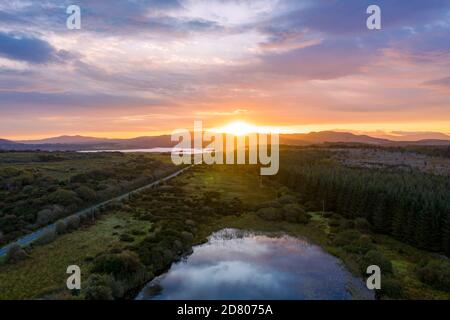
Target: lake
column 154, row 150
column 243, row 265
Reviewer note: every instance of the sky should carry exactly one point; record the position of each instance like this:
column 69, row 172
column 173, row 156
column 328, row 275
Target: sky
column 152, row 66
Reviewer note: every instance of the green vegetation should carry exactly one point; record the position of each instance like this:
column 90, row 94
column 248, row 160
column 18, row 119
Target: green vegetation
column 412, row 206
column 37, row 188
column 43, row 272
column 133, row 241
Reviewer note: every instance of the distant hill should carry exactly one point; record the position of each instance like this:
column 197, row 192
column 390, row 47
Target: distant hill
column 77, row 143
column 9, row 145
column 66, row 140
column 411, row 136
column 4, row 141
column 329, row 136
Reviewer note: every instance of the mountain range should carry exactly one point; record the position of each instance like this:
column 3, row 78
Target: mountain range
column 77, row 142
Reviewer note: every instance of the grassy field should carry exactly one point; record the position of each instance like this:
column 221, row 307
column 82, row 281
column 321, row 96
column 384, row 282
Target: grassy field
column 63, row 165
column 44, row 271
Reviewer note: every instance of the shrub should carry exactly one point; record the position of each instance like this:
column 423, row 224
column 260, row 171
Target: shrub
column 362, row 224
column 270, row 214
column 49, row 214
column 190, row 223
column 86, row 193
column 120, row 265
column 286, row 199
column 43, row 217
column 99, row 287
column 361, row 246
column 125, row 237
column 48, row 236
column 64, row 197
column 348, row 224
column 334, row 223
column 73, row 222
column 391, row 288
column 374, row 257
column 187, row 236
column 436, row 274
column 328, row 214
column 137, row 232
column 346, row 237
column 60, row 227
column 15, row 254
column 295, row 213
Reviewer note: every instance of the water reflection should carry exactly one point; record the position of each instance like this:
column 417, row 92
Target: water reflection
column 236, row 264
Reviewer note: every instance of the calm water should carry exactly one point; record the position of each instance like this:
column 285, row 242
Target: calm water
column 154, row 150
column 242, row 265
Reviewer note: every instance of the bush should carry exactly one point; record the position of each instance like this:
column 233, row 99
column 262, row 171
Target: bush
column 60, row 227
column 362, row 224
column 48, row 236
column 15, row 254
column 348, row 224
column 374, row 257
column 125, row 237
column 391, row 288
column 120, row 265
column 86, row 193
column 286, row 199
column 361, row 246
column 64, row 197
column 49, row 214
column 187, row 236
column 334, row 223
column 73, row 222
column 270, row 214
column 99, row 287
column 346, row 237
column 295, row 213
column 43, row 217
column 436, row 274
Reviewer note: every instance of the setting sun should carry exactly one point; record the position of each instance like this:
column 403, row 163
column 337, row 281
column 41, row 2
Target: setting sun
column 240, row 128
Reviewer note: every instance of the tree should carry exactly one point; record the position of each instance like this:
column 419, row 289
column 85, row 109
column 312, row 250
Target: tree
column 15, row 254
column 48, row 236
column 60, row 227
column 64, row 197
column 44, row 217
column 73, row 222
column 374, row 257
column 120, row 265
column 99, row 287
column 270, row 214
column 86, row 193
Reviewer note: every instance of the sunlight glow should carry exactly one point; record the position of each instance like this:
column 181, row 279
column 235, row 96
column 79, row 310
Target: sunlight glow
column 240, row 128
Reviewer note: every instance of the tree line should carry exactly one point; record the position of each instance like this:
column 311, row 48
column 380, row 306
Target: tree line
column 413, row 207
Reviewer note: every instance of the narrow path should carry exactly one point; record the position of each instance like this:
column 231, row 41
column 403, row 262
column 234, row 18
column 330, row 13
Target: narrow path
column 27, row 239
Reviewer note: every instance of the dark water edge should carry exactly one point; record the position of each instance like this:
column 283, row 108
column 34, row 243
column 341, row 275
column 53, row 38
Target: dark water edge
column 244, row 265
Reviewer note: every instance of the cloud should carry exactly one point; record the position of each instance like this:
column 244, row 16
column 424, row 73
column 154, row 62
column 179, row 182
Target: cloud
column 223, row 113
column 29, row 49
column 72, row 99
column 327, row 60
column 347, row 17
column 443, row 82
